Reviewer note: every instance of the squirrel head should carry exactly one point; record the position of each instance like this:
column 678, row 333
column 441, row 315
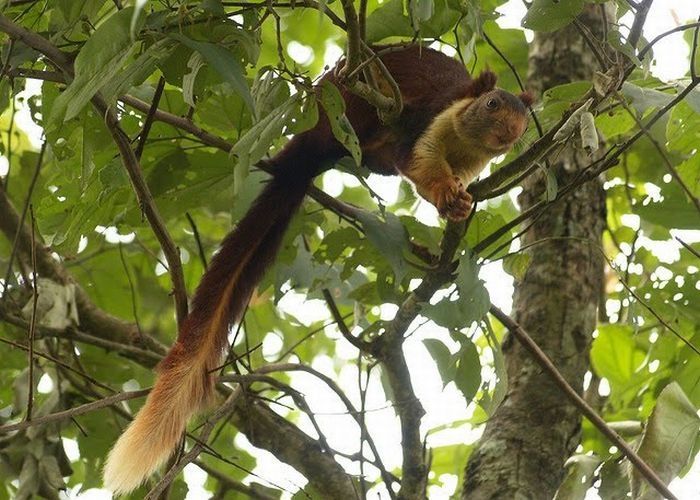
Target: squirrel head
column 495, row 119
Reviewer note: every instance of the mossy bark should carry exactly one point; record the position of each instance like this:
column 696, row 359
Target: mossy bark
column 525, row 444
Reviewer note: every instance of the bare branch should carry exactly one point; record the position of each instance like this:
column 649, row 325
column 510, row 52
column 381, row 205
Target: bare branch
column 74, row 412
column 143, row 136
column 15, row 241
column 352, row 411
column 580, row 403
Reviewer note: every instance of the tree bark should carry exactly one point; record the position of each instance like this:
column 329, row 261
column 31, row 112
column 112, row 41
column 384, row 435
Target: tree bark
column 525, row 444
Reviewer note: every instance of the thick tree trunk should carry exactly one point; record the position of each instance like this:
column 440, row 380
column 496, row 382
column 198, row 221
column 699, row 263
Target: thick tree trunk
column 525, row 444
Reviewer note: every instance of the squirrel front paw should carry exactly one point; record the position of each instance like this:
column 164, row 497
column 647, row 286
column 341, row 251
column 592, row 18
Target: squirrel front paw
column 451, row 199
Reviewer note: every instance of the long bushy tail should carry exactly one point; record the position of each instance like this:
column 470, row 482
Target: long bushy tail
column 185, row 380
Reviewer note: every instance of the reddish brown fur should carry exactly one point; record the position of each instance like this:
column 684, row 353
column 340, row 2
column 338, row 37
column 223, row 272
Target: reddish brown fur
column 527, row 98
column 485, row 82
column 429, row 82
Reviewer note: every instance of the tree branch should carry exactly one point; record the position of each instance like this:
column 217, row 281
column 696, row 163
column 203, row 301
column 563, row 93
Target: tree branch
column 91, row 317
column 580, row 403
column 74, row 412
column 129, row 160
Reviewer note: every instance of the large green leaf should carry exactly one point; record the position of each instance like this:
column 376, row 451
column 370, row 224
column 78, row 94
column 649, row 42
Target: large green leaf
column 615, row 356
column 580, row 471
column 468, row 374
column 333, row 104
column 390, row 20
column 473, row 302
column 99, row 60
column 444, row 359
column 668, row 439
column 224, row 63
column 389, row 237
column 550, row 15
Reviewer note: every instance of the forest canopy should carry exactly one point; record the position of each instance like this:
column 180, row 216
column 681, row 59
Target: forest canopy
column 372, row 356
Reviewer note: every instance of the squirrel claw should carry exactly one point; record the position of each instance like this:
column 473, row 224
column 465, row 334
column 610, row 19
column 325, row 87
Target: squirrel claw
column 453, row 200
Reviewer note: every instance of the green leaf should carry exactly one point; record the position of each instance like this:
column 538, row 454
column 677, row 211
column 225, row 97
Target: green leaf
column 615, row 356
column 444, row 359
column 332, row 101
column 688, row 377
column 224, row 62
column 99, row 60
column 516, row 264
column 390, row 20
column 483, row 225
column 579, row 476
column 668, row 439
column 643, row 98
column 614, row 484
column 489, row 403
column 255, row 143
column 389, row 237
column 214, row 7
column 614, row 123
column 444, row 458
column 468, row 375
column 136, row 72
column 269, row 92
column 673, row 212
column 683, row 129
column 472, row 304
column 689, row 172
column 550, row 15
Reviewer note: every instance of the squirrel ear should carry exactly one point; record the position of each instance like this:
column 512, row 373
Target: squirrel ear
column 527, row 98
column 484, row 83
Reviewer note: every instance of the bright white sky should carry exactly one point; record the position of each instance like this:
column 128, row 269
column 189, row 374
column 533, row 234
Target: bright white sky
column 383, row 425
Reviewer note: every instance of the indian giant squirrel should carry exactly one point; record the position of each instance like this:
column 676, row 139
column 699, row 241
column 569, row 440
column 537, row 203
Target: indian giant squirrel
column 449, row 128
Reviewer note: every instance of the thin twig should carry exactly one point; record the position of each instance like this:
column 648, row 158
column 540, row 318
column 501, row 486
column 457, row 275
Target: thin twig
column 197, row 240
column 229, row 484
column 57, row 361
column 513, row 70
column 132, row 290
column 74, row 412
column 358, row 416
column 32, row 321
column 666, row 161
column 361, row 345
column 147, row 203
column 639, row 19
column 25, row 208
column 551, row 370
column 693, row 54
column 688, row 247
column 143, row 136
column 592, row 43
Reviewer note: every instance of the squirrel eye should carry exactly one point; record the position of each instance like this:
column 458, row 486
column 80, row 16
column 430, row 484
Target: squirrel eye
column 492, row 103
